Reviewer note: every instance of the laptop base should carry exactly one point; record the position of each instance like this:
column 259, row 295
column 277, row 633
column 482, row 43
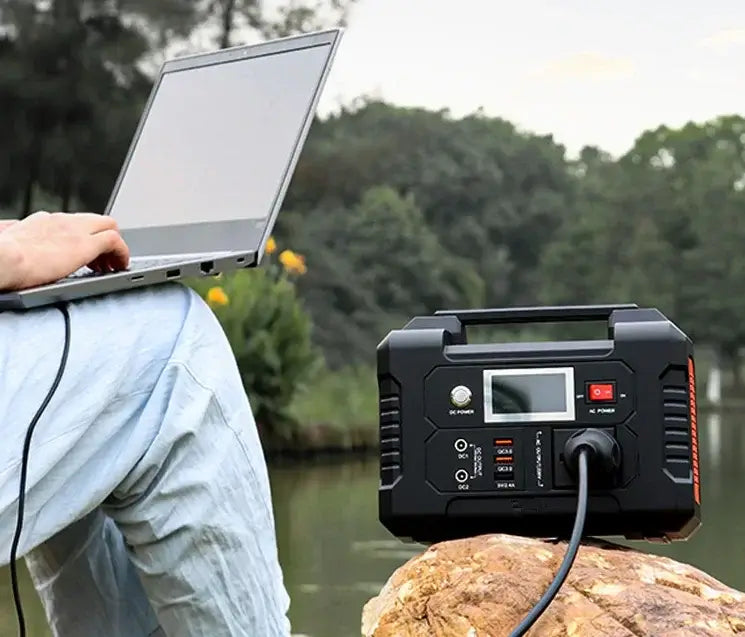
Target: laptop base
column 76, row 289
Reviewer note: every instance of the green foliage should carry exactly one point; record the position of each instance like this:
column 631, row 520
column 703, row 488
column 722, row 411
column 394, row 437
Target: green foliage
column 72, row 92
column 231, row 17
column 270, row 335
column 339, row 407
column 371, row 267
column 492, row 194
column 662, row 226
column 72, row 84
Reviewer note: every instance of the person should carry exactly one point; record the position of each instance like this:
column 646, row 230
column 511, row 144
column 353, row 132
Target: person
column 148, row 507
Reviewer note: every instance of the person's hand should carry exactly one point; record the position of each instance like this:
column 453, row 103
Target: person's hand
column 44, row 248
column 6, row 223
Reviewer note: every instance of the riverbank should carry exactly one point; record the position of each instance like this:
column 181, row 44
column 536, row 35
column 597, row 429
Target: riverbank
column 334, row 414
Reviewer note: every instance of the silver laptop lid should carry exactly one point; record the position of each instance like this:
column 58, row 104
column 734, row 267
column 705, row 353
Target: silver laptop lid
column 217, row 144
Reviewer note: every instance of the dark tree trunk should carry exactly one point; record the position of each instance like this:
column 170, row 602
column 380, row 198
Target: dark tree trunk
column 228, row 22
column 28, row 197
column 736, row 365
column 31, row 178
column 66, row 195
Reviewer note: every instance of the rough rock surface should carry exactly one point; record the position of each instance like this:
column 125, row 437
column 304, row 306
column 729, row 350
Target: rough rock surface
column 484, row 587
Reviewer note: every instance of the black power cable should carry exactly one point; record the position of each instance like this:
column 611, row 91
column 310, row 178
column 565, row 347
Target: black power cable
column 572, row 548
column 587, row 451
column 24, row 474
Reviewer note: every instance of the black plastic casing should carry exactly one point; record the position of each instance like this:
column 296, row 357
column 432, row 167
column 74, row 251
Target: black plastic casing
column 426, row 443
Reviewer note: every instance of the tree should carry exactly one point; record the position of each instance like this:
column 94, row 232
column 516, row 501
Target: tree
column 662, row 226
column 235, row 20
column 74, row 82
column 715, row 265
column 371, row 268
column 72, row 91
column 703, row 166
column 492, row 195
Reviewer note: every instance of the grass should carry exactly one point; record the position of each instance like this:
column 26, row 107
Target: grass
column 338, row 410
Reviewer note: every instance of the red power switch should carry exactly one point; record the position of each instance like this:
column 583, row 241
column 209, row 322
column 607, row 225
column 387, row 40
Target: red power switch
column 601, row 392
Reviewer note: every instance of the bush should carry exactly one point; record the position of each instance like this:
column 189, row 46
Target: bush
column 339, row 410
column 270, row 334
column 346, row 398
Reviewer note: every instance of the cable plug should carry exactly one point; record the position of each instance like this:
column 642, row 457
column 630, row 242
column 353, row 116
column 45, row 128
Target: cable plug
column 603, row 455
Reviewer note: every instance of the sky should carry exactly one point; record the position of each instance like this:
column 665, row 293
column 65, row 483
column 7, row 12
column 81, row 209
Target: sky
column 593, row 72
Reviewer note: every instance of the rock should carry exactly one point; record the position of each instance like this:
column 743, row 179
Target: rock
column 484, row 587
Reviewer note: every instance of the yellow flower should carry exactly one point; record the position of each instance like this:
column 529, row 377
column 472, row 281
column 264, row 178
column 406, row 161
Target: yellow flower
column 271, row 246
column 217, row 296
column 293, row 262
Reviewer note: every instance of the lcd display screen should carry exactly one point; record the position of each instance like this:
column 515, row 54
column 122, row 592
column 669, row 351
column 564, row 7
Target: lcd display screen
column 529, row 394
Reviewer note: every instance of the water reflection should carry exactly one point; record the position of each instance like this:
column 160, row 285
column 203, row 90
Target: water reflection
column 334, row 552
column 714, row 432
column 717, row 546
column 336, row 555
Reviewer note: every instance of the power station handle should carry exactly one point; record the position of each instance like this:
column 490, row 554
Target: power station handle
column 561, row 313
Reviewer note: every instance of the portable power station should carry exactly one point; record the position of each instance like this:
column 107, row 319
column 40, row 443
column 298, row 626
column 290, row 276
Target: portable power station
column 474, row 437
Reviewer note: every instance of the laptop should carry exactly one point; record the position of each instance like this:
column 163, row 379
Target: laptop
column 209, row 165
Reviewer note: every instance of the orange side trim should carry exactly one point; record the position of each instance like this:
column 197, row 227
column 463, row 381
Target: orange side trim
column 694, row 430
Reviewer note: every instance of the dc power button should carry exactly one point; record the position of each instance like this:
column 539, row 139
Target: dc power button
column 460, row 396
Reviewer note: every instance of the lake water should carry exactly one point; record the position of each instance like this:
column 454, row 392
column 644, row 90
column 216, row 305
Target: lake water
column 336, row 555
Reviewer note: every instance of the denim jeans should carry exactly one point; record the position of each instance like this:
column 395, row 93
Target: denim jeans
column 148, row 508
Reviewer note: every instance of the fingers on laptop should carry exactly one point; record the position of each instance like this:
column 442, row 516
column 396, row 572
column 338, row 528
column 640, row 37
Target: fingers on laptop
column 109, row 252
column 103, row 248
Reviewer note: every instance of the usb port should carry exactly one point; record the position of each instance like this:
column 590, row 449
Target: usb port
column 503, row 459
column 503, row 442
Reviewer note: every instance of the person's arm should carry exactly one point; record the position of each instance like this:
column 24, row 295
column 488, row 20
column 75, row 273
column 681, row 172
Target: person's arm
column 44, row 248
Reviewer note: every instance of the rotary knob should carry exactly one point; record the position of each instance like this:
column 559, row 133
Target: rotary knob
column 460, row 396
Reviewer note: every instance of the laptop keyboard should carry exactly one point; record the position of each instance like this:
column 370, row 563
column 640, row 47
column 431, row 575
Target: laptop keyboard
column 134, row 266
column 142, row 264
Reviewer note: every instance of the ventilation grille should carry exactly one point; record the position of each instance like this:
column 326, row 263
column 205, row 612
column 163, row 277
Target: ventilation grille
column 677, row 428
column 390, row 431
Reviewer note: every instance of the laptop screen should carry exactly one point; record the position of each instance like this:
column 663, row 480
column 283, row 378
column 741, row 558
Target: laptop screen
column 218, row 139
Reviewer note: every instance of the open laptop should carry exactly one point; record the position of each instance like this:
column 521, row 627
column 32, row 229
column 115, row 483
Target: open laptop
column 209, row 165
